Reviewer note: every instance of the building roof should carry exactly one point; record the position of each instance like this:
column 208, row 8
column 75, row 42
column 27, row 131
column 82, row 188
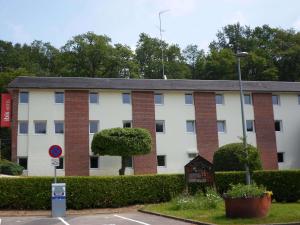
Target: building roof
column 147, row 84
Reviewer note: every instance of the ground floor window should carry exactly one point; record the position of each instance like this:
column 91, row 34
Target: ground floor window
column 280, row 157
column 23, row 162
column 161, row 160
column 94, row 162
column 128, row 161
column 61, row 164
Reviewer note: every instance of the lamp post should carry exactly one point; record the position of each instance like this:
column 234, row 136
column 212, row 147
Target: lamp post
column 240, row 55
column 161, row 43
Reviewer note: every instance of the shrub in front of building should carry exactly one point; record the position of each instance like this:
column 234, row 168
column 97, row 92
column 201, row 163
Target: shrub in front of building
column 231, row 157
column 10, row 168
column 285, row 184
column 90, row 192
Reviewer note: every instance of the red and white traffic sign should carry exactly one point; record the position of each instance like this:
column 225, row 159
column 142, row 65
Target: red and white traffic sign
column 55, row 151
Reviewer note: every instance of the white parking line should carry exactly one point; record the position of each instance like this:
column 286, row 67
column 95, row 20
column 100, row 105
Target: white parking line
column 125, row 218
column 62, row 220
column 0, row 221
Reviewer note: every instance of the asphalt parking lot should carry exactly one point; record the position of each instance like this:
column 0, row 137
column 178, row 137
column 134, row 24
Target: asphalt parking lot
column 134, row 218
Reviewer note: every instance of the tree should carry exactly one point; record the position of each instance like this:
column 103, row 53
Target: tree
column 124, row 142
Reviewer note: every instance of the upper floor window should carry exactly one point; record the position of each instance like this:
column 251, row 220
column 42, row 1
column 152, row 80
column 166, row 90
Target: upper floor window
column 40, row 127
column 158, row 99
column 219, row 99
column 23, row 127
column 160, row 126
column 250, row 125
column 24, row 97
column 127, row 124
column 247, row 99
column 190, row 126
column 94, row 126
column 275, row 99
column 188, row 99
column 59, row 127
column 59, row 97
column 126, row 98
column 221, row 125
column 94, row 98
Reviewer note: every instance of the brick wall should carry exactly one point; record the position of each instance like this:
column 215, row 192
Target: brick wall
column 206, row 124
column 265, row 129
column 143, row 116
column 76, row 133
column 14, row 124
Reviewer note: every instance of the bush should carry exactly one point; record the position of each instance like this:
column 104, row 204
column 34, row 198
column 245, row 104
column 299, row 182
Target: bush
column 10, row 168
column 245, row 191
column 285, row 184
column 89, row 192
column 231, row 157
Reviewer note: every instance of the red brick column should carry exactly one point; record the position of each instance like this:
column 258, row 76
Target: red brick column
column 76, row 133
column 143, row 116
column 265, row 129
column 14, row 124
column 206, row 124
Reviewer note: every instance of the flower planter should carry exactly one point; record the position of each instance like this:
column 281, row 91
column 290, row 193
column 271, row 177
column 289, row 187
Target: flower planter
column 247, row 207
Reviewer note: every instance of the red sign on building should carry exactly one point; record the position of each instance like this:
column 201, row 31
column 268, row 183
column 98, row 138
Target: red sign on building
column 5, row 110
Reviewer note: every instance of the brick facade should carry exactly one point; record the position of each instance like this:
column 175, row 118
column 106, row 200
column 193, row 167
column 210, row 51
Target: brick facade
column 206, row 124
column 265, row 129
column 76, row 133
column 143, row 116
column 14, row 124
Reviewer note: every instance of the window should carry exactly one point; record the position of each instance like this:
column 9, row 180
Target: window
column 126, row 98
column 128, row 162
column 127, row 124
column 161, row 160
column 250, row 125
column 188, row 99
column 94, row 98
column 190, row 126
column 94, row 126
column 61, row 164
column 40, row 127
column 23, row 162
column 275, row 99
column 278, row 125
column 94, row 162
column 192, row 155
column 221, row 126
column 159, row 99
column 59, row 97
column 247, row 99
column 280, row 157
column 24, row 97
column 59, row 127
column 23, row 127
column 160, row 126
column 219, row 99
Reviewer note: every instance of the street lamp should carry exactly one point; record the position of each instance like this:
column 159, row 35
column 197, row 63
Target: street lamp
column 240, row 55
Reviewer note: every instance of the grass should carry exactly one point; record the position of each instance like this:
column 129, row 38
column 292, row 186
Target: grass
column 279, row 213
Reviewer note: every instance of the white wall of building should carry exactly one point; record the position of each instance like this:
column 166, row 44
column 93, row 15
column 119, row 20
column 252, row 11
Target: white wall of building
column 175, row 143
column 288, row 140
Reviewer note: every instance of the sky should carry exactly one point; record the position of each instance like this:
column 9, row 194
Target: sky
column 186, row 22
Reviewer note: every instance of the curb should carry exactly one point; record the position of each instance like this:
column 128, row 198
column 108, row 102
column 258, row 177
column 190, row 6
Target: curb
column 175, row 218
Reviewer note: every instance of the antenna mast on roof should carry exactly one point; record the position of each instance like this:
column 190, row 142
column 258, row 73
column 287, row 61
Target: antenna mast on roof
column 161, row 43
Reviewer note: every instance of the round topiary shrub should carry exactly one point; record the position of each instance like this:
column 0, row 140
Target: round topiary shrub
column 231, row 157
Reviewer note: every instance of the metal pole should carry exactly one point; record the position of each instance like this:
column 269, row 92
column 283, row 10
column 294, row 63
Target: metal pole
column 248, row 179
column 55, row 174
column 161, row 45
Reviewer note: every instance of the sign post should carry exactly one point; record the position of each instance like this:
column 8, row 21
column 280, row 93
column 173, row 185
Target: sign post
column 55, row 152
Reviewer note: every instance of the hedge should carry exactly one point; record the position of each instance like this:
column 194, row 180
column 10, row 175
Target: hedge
column 285, row 184
column 89, row 192
column 10, row 168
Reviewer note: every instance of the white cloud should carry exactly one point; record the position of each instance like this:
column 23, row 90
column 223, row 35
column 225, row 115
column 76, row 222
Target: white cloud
column 296, row 24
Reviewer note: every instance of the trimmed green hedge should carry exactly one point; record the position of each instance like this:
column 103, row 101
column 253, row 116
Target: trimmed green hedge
column 285, row 184
column 89, row 192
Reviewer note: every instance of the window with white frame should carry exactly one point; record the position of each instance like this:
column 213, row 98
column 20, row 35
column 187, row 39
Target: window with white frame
column 190, row 126
column 94, row 162
column 247, row 99
column 221, row 124
column 40, row 127
column 126, row 98
column 250, row 125
column 22, row 161
column 59, row 127
column 158, row 99
column 94, row 97
column 161, row 160
column 219, row 99
column 278, row 125
column 23, row 127
column 94, row 126
column 127, row 124
column 160, row 126
column 24, row 97
column 275, row 100
column 59, row 97
column 188, row 98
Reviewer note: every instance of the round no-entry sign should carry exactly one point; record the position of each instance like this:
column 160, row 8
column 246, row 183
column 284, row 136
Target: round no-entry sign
column 55, row 151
